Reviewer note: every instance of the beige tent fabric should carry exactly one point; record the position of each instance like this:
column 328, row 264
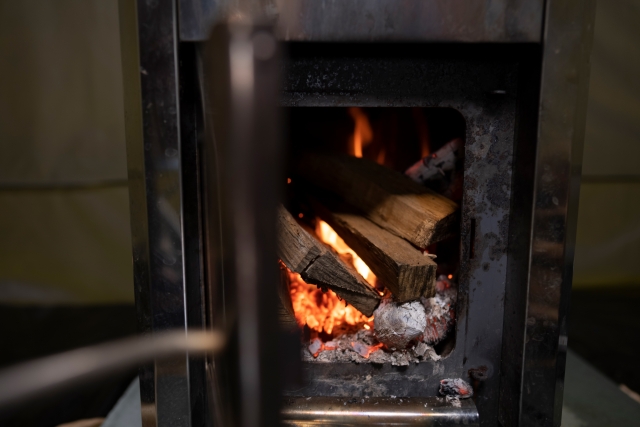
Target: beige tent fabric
column 612, row 143
column 608, row 240
column 61, row 101
column 66, row 246
column 62, row 125
column 608, row 243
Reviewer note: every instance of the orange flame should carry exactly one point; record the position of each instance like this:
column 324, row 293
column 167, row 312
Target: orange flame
column 423, row 131
column 321, row 311
column 382, row 155
column 331, row 238
column 362, row 133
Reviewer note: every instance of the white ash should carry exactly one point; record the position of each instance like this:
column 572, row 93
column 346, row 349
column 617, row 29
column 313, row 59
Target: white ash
column 425, row 351
column 400, row 358
column 398, row 324
column 351, row 347
column 454, row 401
column 440, row 171
column 314, row 346
column 434, row 166
column 440, row 311
column 455, row 387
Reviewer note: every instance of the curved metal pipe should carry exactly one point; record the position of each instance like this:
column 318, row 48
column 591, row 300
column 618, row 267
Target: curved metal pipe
column 50, row 374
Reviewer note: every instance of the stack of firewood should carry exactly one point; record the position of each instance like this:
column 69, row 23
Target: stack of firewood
column 384, row 216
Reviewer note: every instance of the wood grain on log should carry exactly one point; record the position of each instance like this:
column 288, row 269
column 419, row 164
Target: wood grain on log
column 403, row 269
column 386, row 197
column 286, row 315
column 286, row 320
column 317, row 265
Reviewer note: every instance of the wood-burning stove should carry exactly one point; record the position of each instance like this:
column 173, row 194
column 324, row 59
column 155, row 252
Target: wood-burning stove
column 206, row 130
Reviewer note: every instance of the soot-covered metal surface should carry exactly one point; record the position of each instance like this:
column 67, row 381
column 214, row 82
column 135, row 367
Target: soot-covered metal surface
column 483, row 91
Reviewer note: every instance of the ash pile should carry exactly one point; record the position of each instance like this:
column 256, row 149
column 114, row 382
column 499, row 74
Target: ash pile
column 403, row 333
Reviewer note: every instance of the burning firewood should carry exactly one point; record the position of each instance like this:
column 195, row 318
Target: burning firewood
column 317, row 265
column 405, row 270
column 386, row 197
column 396, row 325
column 286, row 320
column 286, row 315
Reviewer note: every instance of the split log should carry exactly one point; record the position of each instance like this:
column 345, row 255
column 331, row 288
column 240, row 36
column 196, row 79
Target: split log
column 286, row 315
column 286, row 320
column 317, row 265
column 388, row 198
column 403, row 269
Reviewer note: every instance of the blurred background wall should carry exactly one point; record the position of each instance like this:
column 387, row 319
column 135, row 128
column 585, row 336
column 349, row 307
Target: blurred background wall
column 64, row 209
column 608, row 242
column 64, row 225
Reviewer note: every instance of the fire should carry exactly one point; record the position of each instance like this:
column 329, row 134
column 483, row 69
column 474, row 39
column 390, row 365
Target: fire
column 331, row 238
column 321, row 311
column 423, row 131
column 362, row 133
column 381, row 156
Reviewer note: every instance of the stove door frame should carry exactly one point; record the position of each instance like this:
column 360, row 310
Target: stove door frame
column 483, row 87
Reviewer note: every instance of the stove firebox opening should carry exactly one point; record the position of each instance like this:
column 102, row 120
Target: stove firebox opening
column 369, row 240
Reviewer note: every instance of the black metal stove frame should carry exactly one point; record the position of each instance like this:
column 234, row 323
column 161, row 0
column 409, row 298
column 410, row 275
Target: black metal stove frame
column 481, row 84
column 517, row 71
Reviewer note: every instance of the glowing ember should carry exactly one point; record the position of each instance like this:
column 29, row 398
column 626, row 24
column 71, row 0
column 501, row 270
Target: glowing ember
column 362, row 133
column 315, row 347
column 365, row 350
column 321, row 311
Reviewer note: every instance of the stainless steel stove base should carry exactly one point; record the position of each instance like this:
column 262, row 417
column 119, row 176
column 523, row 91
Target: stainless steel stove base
column 373, row 411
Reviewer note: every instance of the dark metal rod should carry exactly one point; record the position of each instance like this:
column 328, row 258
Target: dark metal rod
column 55, row 373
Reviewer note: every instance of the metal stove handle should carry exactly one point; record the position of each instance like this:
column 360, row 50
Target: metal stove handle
column 242, row 152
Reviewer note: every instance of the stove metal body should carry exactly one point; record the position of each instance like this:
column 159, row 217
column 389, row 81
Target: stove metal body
column 516, row 70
